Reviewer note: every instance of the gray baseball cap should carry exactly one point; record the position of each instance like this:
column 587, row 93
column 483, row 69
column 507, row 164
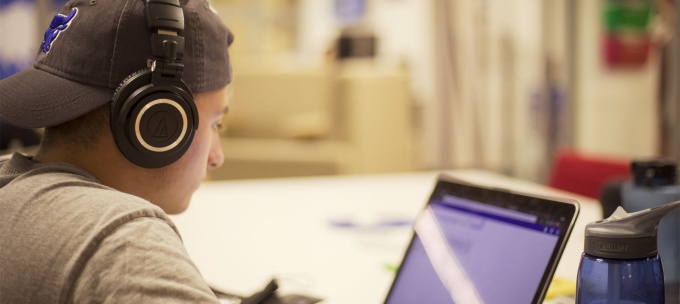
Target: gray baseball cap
column 92, row 45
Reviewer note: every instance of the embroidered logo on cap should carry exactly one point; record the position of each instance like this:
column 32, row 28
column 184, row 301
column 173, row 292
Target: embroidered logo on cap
column 59, row 23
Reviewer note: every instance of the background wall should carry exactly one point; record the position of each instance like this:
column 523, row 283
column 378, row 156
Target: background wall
column 617, row 109
column 494, row 84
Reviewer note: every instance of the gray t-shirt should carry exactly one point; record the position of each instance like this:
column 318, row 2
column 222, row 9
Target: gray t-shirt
column 66, row 238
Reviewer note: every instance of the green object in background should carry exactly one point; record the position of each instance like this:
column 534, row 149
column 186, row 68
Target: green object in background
column 627, row 14
column 392, row 267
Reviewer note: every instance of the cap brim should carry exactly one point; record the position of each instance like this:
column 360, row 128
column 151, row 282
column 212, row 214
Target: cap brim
column 34, row 99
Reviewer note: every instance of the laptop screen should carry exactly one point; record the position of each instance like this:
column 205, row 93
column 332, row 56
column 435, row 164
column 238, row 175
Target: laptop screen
column 477, row 245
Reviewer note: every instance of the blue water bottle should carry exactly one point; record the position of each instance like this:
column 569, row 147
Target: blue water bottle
column 620, row 263
column 655, row 183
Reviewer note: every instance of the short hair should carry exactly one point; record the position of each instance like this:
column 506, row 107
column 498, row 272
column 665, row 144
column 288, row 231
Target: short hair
column 83, row 132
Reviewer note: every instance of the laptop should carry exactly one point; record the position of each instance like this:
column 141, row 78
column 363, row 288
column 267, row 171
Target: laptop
column 475, row 244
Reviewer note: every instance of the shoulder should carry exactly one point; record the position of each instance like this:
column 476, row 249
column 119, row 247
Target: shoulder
column 66, row 227
column 63, row 206
column 108, row 209
column 141, row 261
column 65, row 189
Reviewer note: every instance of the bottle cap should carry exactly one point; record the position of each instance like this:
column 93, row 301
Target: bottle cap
column 654, row 173
column 626, row 235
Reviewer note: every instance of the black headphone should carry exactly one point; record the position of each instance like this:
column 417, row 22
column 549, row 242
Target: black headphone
column 153, row 115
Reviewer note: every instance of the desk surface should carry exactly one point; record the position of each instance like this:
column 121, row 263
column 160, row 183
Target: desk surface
column 240, row 234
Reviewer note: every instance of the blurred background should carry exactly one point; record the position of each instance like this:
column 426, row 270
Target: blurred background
column 326, row 87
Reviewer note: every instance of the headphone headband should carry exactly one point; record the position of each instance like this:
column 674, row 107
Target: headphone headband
column 165, row 20
column 164, row 14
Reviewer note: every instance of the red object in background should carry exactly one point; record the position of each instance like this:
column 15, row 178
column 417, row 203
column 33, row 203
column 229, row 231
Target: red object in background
column 586, row 174
column 626, row 50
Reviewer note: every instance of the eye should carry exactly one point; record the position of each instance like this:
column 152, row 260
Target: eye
column 218, row 126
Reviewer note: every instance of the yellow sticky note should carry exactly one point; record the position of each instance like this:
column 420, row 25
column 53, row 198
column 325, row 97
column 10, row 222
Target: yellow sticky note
column 560, row 286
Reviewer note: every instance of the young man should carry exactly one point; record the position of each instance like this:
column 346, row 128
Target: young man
column 85, row 219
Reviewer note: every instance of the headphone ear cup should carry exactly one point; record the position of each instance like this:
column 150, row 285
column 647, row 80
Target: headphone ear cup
column 127, row 79
column 152, row 125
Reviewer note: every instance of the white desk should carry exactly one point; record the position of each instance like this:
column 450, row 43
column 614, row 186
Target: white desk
column 241, row 233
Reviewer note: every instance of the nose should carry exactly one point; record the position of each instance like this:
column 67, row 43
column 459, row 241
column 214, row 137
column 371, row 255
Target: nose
column 216, row 156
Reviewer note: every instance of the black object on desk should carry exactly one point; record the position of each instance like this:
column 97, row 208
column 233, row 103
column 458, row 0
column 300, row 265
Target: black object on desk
column 266, row 296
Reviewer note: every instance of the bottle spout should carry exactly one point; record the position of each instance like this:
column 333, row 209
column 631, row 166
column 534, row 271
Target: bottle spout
column 643, row 223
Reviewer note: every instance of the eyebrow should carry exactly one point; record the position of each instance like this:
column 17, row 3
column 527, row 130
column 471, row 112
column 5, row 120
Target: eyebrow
column 226, row 110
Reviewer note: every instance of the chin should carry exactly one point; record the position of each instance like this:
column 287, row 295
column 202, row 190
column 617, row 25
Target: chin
column 177, row 209
column 178, row 205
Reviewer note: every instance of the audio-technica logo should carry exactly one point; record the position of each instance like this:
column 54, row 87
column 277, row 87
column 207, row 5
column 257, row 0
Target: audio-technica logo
column 159, row 127
column 163, row 128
